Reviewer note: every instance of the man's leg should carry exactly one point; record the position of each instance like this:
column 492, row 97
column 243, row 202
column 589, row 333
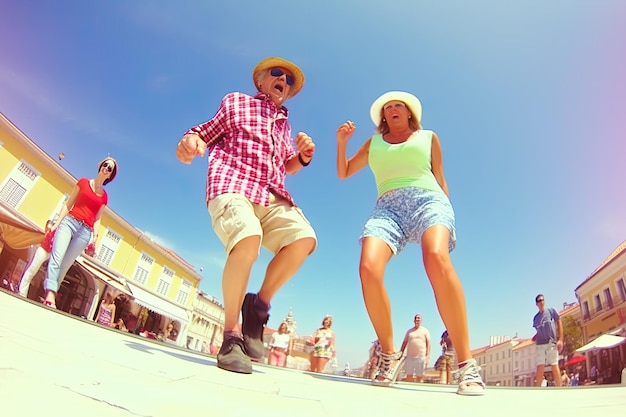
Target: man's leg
column 255, row 309
column 231, row 356
column 556, row 375
column 539, row 375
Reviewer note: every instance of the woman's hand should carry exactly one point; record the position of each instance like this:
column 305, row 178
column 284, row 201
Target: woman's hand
column 345, row 131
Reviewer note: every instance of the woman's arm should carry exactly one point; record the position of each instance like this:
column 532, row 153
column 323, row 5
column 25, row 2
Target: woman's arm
column 96, row 226
column 66, row 207
column 348, row 167
column 437, row 164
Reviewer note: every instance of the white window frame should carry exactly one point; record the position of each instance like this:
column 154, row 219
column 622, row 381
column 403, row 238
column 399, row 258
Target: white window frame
column 18, row 184
column 183, row 292
column 109, row 244
column 143, row 268
column 165, row 280
column 608, row 298
column 621, row 289
column 597, row 301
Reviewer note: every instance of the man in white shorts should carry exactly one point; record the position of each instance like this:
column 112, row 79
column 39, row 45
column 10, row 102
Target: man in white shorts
column 549, row 340
column 417, row 343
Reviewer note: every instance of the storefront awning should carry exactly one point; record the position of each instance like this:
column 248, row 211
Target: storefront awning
column 16, row 230
column 604, row 341
column 103, row 274
column 158, row 305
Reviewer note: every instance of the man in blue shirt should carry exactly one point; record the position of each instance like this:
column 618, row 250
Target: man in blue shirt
column 549, row 340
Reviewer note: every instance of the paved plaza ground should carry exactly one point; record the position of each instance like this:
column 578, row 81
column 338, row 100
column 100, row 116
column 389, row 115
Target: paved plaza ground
column 54, row 364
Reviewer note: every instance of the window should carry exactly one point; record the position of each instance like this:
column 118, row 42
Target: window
column 165, row 280
column 183, row 292
column 108, row 245
column 17, row 184
column 608, row 298
column 143, row 268
column 598, row 302
column 586, row 314
column 621, row 288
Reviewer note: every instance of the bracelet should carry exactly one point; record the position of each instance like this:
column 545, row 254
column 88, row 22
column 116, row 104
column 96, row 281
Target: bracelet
column 304, row 164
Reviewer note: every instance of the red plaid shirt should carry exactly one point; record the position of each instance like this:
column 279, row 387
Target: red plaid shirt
column 249, row 142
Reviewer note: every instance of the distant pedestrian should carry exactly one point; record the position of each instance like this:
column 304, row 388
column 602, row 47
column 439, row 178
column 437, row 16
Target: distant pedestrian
column 417, row 344
column 42, row 254
column 449, row 357
column 413, row 206
column 373, row 361
column 593, row 373
column 564, row 378
column 106, row 311
column 279, row 346
column 549, row 340
column 324, row 350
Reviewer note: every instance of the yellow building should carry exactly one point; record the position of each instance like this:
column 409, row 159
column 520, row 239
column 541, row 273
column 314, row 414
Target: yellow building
column 602, row 300
column 155, row 286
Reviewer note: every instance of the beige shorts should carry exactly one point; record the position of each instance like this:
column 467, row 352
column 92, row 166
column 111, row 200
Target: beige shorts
column 547, row 354
column 234, row 218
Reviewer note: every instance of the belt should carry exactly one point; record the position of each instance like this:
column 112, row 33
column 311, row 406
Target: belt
column 81, row 222
column 279, row 349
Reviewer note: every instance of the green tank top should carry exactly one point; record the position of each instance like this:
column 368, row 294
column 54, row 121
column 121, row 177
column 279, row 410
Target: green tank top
column 401, row 165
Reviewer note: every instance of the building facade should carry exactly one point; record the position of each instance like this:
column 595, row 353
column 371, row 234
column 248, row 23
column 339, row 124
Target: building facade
column 152, row 285
column 602, row 300
column 206, row 332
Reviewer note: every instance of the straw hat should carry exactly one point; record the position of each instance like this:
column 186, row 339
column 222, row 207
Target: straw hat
column 273, row 62
column 410, row 100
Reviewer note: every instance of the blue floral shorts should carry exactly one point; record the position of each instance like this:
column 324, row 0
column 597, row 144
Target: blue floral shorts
column 401, row 216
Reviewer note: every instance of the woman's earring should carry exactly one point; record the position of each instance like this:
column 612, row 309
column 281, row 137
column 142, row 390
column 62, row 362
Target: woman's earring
column 384, row 120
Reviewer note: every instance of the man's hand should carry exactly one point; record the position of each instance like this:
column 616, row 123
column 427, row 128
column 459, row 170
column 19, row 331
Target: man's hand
column 305, row 146
column 189, row 147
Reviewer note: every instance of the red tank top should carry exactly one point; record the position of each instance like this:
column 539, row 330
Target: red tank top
column 87, row 203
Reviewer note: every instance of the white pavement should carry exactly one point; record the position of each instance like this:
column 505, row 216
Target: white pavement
column 54, row 364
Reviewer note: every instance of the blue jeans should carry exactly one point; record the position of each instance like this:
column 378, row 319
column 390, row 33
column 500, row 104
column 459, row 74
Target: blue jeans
column 70, row 239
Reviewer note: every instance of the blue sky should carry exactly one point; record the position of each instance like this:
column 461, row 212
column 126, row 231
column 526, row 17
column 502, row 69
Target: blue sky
column 526, row 98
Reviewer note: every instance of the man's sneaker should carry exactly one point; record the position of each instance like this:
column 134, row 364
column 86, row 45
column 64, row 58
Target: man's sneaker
column 469, row 379
column 231, row 357
column 253, row 323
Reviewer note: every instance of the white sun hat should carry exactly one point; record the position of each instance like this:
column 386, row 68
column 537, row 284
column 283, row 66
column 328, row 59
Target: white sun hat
column 410, row 100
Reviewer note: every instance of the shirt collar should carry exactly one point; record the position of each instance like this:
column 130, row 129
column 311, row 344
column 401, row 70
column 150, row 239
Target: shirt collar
column 267, row 98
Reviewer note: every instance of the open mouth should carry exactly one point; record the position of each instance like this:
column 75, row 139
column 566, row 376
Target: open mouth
column 279, row 87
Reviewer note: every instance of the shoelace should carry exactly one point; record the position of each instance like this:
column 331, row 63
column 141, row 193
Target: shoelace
column 468, row 372
column 385, row 363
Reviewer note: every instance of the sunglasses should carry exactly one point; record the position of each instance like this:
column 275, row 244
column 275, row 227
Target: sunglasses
column 106, row 166
column 539, row 300
column 277, row 72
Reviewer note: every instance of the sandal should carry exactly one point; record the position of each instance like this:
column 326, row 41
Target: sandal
column 387, row 374
column 50, row 304
column 469, row 379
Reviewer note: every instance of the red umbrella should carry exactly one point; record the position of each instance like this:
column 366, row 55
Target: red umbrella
column 574, row 360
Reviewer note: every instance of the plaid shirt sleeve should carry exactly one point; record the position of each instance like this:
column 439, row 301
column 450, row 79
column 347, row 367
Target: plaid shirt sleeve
column 213, row 130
